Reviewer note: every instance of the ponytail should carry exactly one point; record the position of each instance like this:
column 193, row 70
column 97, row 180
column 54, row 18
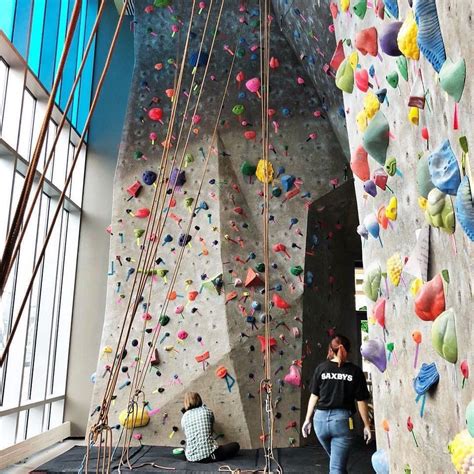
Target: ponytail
column 339, row 346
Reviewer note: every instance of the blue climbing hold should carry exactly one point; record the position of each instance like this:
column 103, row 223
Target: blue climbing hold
column 287, row 181
column 444, row 169
column 465, row 207
column 197, row 60
column 392, row 7
column 430, row 40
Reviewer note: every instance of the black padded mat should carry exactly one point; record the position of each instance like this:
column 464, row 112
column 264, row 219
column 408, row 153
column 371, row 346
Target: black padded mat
column 293, row 460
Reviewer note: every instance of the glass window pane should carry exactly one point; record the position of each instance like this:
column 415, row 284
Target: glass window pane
column 35, row 421
column 7, row 17
column 48, row 39
column 3, row 88
column 8, row 429
column 62, row 224
column 21, row 25
column 21, row 427
column 26, row 127
column 57, row 414
column 12, row 107
column 78, row 177
column 60, row 161
column 67, row 298
column 36, row 35
column 69, row 69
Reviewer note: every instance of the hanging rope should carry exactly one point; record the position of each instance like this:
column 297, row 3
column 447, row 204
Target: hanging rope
column 66, row 185
column 266, row 403
column 16, row 224
column 135, row 294
column 51, row 156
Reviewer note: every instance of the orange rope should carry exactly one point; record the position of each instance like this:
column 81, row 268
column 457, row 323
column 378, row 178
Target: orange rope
column 15, row 227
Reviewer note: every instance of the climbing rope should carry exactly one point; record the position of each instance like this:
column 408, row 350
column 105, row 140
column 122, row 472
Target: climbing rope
column 6, row 262
column 16, row 224
column 50, row 160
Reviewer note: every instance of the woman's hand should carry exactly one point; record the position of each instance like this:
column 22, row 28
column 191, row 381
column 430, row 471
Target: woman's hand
column 306, row 429
column 367, row 434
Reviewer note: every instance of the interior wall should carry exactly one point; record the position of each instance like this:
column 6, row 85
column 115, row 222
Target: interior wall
column 394, row 393
column 226, row 233
column 92, row 267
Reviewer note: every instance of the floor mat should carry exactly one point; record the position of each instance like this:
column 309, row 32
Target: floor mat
column 293, row 460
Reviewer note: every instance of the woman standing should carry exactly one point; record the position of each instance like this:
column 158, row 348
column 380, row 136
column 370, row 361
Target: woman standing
column 336, row 384
column 197, row 424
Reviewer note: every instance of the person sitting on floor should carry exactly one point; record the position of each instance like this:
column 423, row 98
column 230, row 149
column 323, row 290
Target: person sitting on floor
column 197, row 423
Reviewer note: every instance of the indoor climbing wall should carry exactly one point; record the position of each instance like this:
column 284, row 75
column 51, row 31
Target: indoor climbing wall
column 404, row 69
column 211, row 324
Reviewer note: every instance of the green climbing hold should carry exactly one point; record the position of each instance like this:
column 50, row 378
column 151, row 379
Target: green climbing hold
column 276, row 191
column 443, row 336
column 402, row 64
column 248, row 169
column 238, row 109
column 297, row 270
column 392, row 79
column 345, row 77
column 164, row 320
column 375, row 139
column 423, row 177
column 162, row 3
column 240, row 52
column 360, row 8
column 372, row 280
column 260, row 267
column 391, row 166
column 452, row 77
column 188, row 158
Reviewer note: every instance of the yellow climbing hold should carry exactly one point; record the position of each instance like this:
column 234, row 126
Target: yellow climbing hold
column 414, row 115
column 394, row 268
column 354, row 59
column 264, row 171
column 345, row 4
column 362, row 121
column 406, row 38
column 391, row 209
column 371, row 104
column 422, row 202
column 415, row 286
column 135, row 419
column 461, row 449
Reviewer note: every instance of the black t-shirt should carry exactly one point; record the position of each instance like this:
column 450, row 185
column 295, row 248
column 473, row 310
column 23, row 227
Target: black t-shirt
column 338, row 387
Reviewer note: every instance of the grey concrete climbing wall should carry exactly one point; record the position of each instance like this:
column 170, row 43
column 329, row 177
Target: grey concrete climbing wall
column 394, row 394
column 226, row 232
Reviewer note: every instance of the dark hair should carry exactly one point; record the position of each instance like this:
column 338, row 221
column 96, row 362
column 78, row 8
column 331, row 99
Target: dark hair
column 339, row 346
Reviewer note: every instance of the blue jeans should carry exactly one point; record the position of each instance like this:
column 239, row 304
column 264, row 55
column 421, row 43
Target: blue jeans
column 334, row 433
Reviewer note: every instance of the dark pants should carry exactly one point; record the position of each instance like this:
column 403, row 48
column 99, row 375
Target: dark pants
column 333, row 431
column 226, row 451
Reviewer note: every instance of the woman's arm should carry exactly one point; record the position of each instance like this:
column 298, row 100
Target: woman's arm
column 363, row 408
column 306, row 429
column 313, row 399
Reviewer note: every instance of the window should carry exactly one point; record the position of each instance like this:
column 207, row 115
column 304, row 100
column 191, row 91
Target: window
column 33, row 379
column 48, row 30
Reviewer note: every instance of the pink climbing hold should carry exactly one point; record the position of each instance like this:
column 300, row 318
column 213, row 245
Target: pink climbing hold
column 155, row 114
column 293, row 377
column 253, row 85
